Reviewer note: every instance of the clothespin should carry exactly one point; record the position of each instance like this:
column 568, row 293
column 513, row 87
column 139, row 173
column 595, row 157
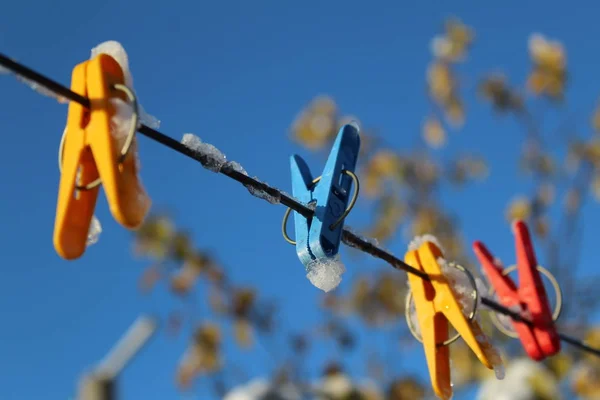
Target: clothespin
column 436, row 306
column 320, row 236
column 540, row 340
column 92, row 155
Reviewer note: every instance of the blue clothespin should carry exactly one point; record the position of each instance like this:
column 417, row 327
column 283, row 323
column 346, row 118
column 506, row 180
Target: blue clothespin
column 320, row 236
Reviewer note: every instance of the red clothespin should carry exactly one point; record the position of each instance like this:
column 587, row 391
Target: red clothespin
column 540, row 340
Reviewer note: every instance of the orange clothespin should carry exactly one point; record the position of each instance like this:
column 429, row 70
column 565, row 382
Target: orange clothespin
column 91, row 156
column 436, row 306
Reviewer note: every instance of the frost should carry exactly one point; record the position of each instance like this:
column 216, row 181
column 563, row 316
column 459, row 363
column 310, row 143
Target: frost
column 412, row 315
column 262, row 194
column 116, row 51
column 94, row 232
column 147, row 119
column 35, row 86
column 210, row 157
column 490, row 353
column 371, row 241
column 121, row 120
column 120, row 126
column 43, row 90
column 355, row 124
column 419, row 240
column 236, row 166
column 325, row 274
column 460, row 284
column 507, row 322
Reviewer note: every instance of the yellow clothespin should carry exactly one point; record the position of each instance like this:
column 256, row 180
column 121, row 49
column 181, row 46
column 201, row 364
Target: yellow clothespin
column 436, row 305
column 91, row 156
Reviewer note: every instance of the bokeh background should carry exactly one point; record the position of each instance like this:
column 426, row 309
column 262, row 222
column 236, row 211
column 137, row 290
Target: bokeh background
column 472, row 115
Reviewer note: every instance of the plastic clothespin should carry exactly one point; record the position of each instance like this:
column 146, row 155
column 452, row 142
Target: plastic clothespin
column 540, row 340
column 320, row 236
column 91, row 152
column 436, row 305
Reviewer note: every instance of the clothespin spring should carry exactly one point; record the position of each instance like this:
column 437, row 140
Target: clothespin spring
column 286, row 216
column 126, row 146
column 471, row 316
column 557, row 308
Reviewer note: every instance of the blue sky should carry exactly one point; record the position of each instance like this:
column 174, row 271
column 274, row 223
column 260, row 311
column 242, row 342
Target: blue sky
column 236, row 74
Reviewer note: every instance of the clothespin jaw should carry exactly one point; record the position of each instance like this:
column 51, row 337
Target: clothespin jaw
column 320, row 236
column 91, row 152
column 540, row 340
column 436, row 306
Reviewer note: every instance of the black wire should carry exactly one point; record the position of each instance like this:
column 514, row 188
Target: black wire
column 348, row 237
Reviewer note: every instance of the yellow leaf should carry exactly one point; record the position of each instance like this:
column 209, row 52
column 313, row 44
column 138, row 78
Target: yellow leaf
column 546, row 53
column 455, row 112
column 383, row 165
column 495, row 89
column 406, row 389
column 440, row 81
column 585, row 381
column 243, row 333
column 390, row 214
column 458, row 32
column 243, row 300
column 181, row 247
column 561, row 364
column 360, row 291
column 315, row 126
column 184, row 280
column 208, row 336
column 537, row 81
column 549, row 72
column 519, row 208
column 433, row 133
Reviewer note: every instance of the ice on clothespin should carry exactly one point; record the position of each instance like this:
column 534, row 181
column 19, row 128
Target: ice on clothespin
column 121, row 125
column 325, row 274
column 116, row 51
column 95, row 228
column 123, row 117
column 94, row 232
column 463, row 289
column 419, row 240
